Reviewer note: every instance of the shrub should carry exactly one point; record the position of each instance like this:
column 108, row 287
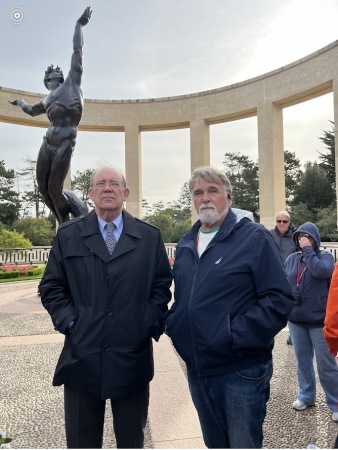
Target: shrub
column 13, row 239
column 20, row 271
column 38, row 230
column 9, row 275
column 36, row 271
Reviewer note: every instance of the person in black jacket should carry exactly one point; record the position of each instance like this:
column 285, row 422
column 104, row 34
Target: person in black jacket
column 109, row 299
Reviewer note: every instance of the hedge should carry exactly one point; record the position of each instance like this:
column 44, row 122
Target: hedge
column 36, row 271
column 7, row 275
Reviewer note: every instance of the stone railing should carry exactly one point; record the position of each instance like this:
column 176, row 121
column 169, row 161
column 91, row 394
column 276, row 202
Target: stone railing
column 331, row 247
column 39, row 255
column 31, row 255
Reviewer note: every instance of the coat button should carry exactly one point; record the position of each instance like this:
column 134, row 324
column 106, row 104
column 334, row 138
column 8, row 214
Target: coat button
column 109, row 312
column 106, row 347
column 57, row 321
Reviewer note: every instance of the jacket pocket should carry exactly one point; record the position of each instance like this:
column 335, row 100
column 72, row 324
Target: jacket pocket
column 214, row 333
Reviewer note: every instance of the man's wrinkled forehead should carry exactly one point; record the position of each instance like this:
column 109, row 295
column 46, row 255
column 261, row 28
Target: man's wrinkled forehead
column 202, row 181
column 202, row 185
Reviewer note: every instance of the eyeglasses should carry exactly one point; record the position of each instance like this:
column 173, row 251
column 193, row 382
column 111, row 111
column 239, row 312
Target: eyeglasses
column 282, row 221
column 303, row 235
column 102, row 184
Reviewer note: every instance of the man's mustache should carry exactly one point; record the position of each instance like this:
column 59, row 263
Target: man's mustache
column 207, row 206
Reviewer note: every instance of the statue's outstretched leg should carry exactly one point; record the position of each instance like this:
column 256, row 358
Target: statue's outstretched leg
column 58, row 173
column 43, row 168
column 65, row 202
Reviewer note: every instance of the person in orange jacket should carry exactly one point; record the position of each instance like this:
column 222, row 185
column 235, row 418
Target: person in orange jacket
column 331, row 320
column 331, row 315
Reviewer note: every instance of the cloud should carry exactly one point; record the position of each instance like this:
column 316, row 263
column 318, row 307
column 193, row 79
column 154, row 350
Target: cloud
column 159, row 48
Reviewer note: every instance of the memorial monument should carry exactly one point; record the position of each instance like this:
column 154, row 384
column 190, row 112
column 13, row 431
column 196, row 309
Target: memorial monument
column 63, row 106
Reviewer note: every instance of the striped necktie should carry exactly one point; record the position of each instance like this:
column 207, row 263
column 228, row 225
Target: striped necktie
column 110, row 238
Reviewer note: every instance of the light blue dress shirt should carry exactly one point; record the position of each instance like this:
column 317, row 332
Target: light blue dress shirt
column 118, row 222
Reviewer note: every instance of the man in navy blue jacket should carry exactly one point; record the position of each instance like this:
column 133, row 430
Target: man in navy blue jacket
column 231, row 298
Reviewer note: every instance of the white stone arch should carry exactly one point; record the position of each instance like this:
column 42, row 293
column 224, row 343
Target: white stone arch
column 264, row 96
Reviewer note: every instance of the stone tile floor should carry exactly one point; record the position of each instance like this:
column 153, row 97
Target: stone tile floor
column 31, row 410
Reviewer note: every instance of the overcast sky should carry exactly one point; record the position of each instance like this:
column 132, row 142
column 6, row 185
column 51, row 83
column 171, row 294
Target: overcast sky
column 159, row 48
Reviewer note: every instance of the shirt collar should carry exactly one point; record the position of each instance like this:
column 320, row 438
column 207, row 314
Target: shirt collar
column 118, row 222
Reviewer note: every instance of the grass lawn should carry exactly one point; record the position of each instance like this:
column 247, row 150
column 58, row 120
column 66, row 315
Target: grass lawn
column 22, row 278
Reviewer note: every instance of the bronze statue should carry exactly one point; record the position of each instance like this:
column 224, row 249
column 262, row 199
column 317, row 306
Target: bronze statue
column 63, row 106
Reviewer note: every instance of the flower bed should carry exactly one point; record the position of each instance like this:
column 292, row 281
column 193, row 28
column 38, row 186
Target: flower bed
column 171, row 262
column 8, row 271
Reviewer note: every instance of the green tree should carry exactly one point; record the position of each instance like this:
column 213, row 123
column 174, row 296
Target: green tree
column 243, row 175
column 13, row 239
column 179, row 229
column 327, row 223
column 81, row 185
column 9, row 198
column 30, row 196
column 163, row 221
column 38, row 230
column 184, row 201
column 293, row 174
column 171, row 221
column 328, row 160
column 300, row 214
column 314, row 188
column 159, row 206
column 146, row 207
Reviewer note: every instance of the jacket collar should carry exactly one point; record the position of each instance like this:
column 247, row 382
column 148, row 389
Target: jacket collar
column 92, row 236
column 286, row 234
column 227, row 226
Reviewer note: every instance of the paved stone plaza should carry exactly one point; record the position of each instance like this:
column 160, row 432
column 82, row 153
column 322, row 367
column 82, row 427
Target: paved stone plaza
column 31, row 410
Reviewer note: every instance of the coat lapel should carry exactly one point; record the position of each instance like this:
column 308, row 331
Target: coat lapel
column 129, row 237
column 93, row 239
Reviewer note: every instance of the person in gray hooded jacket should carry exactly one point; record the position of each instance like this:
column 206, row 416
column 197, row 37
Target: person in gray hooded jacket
column 282, row 235
column 309, row 271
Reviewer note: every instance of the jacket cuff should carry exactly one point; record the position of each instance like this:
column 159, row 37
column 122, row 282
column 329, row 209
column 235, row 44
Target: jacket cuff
column 62, row 321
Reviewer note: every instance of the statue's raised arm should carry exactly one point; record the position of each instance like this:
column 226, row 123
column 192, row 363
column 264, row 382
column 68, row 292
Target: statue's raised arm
column 76, row 64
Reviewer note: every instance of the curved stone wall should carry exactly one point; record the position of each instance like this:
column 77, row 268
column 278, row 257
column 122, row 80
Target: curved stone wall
column 264, row 96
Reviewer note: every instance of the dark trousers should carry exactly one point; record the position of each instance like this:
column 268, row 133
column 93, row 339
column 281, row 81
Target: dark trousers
column 84, row 417
column 335, row 445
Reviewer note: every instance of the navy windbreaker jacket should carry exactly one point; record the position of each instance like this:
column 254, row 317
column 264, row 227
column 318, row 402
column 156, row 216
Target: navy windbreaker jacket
column 230, row 302
column 315, row 268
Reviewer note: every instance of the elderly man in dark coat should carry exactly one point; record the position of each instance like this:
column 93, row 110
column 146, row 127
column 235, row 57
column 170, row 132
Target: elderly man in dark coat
column 109, row 299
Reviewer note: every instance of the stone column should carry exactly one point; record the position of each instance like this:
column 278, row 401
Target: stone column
column 133, row 169
column 199, row 144
column 271, row 162
column 199, row 150
column 67, row 184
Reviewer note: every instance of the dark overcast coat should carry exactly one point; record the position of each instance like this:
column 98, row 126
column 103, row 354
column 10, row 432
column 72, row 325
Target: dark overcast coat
column 117, row 302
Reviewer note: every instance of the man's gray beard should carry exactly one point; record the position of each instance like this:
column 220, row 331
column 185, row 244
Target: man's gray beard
column 209, row 217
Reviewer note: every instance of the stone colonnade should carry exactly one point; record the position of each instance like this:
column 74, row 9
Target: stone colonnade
column 264, row 96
